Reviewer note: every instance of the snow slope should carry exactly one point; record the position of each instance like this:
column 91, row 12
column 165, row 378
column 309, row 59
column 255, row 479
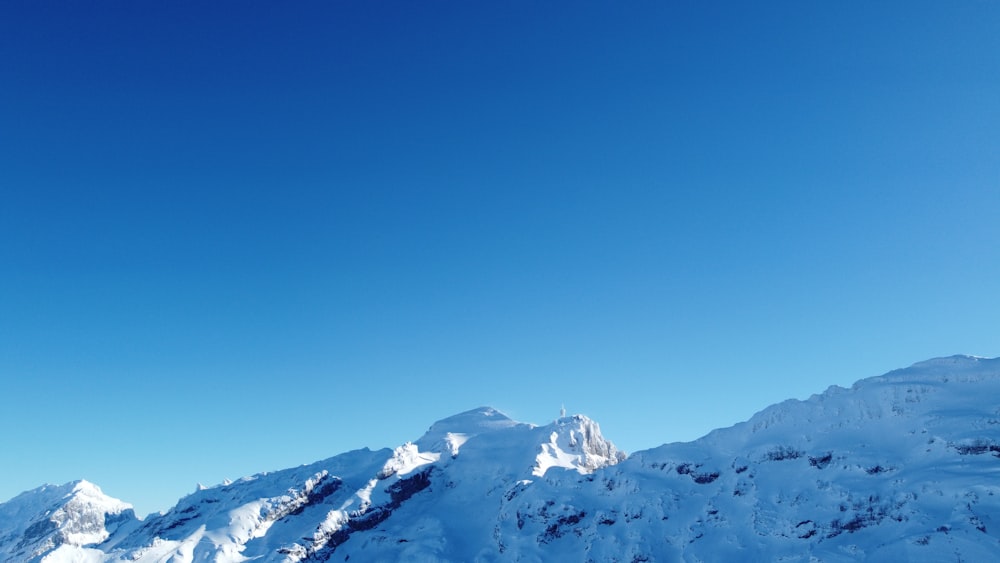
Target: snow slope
column 75, row 514
column 899, row 467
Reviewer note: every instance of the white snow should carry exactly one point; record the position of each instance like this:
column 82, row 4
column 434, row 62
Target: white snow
column 407, row 458
column 75, row 514
column 576, row 443
column 898, row 467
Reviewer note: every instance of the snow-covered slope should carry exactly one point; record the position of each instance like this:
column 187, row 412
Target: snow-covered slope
column 899, row 467
column 75, row 514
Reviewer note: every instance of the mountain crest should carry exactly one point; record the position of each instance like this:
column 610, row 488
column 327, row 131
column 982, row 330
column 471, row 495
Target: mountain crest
column 898, row 467
column 449, row 434
column 75, row 514
column 575, row 442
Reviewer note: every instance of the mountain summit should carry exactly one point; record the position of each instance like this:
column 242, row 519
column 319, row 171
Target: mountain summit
column 897, row 467
column 75, row 514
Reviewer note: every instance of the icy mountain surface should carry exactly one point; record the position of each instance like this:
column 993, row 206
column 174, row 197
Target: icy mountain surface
column 75, row 514
column 901, row 467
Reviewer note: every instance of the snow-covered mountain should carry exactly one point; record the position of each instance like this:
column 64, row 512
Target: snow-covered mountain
column 75, row 514
column 898, row 467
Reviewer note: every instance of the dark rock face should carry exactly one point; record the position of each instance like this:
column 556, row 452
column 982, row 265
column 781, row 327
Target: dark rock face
column 399, row 492
column 37, row 533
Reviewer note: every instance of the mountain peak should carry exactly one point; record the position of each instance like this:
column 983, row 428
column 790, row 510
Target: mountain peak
column 481, row 418
column 85, row 487
column 77, row 513
column 897, row 467
column 940, row 370
column 575, row 442
column 449, row 434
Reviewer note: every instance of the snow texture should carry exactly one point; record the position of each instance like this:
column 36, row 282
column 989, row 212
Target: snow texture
column 899, row 467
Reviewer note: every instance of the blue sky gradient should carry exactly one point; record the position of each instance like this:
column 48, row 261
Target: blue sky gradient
column 236, row 237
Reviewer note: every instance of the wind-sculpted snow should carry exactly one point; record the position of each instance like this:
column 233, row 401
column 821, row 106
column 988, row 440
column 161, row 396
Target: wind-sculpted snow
column 898, row 467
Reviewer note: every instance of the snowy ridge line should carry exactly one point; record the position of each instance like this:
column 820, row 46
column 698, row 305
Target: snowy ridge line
column 897, row 467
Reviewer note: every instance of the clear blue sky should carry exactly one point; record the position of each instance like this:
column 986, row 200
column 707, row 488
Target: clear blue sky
column 240, row 236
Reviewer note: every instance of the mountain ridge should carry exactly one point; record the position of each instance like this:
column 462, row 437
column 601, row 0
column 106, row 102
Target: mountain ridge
column 897, row 466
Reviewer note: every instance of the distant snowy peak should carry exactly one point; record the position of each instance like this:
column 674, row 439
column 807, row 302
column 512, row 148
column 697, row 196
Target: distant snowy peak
column 941, row 370
column 897, row 467
column 448, row 435
column 571, row 442
column 575, row 442
column 908, row 392
column 76, row 514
